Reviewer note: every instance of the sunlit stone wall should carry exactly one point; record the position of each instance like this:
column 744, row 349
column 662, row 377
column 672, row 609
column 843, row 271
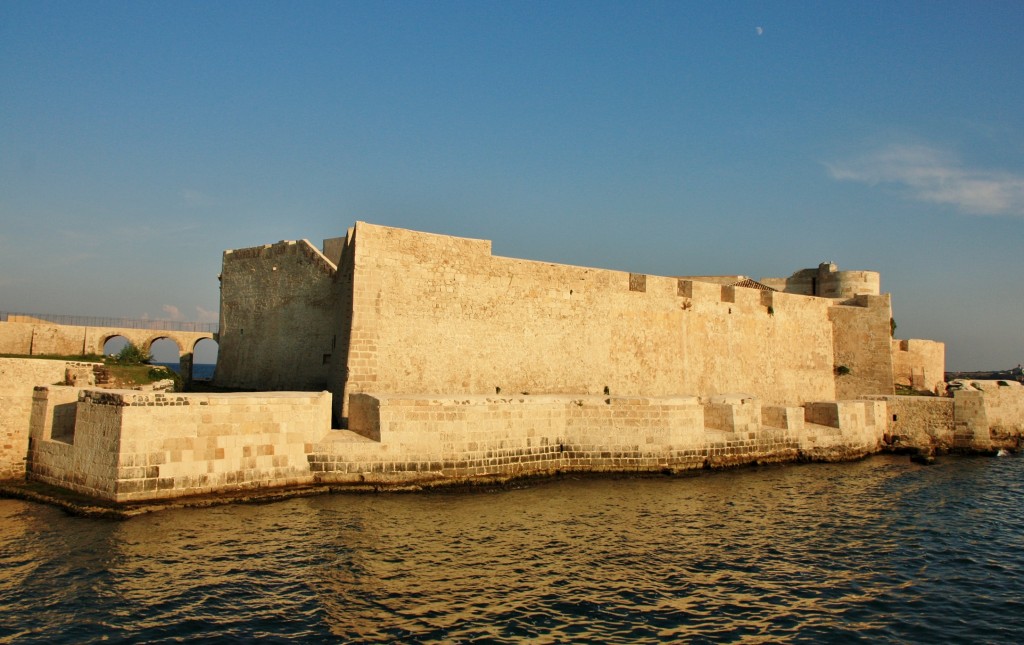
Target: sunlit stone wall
column 919, row 364
column 124, row 445
column 442, row 315
column 396, row 439
column 18, row 376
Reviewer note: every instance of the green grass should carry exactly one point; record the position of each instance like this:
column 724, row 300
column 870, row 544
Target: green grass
column 130, row 375
column 124, row 376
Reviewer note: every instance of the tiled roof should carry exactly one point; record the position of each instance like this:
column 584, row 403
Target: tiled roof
column 752, row 284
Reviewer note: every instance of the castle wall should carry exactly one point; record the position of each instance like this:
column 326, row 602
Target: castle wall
column 803, row 282
column 862, row 345
column 32, row 338
column 439, row 314
column 18, row 376
column 920, row 364
column 279, row 318
column 74, row 446
column 123, row 445
column 128, row 446
column 986, row 416
column 432, row 438
column 343, row 249
column 921, row 422
column 990, row 416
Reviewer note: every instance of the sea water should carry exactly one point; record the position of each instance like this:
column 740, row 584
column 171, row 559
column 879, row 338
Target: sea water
column 881, row 550
column 200, row 371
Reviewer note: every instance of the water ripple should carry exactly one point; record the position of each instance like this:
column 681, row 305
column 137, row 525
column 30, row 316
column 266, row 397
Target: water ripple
column 876, row 551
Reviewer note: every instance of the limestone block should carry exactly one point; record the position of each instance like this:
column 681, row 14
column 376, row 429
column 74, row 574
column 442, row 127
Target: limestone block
column 784, row 417
column 733, row 413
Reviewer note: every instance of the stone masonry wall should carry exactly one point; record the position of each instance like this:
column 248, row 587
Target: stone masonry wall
column 130, row 446
column 828, row 282
column 920, row 364
column 279, row 318
column 43, row 337
column 18, row 376
column 439, row 314
column 990, row 416
column 74, row 446
column 862, row 341
column 425, row 438
column 920, row 422
column 987, row 416
column 847, row 284
column 16, row 338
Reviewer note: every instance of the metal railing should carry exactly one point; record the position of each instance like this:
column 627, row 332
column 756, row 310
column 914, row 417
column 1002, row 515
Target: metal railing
column 96, row 321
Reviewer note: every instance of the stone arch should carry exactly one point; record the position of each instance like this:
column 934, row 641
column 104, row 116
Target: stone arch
column 106, row 337
column 148, row 343
column 165, row 349
column 204, row 355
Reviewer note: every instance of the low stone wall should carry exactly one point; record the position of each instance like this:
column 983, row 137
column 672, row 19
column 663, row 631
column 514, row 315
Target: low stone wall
column 990, row 415
column 127, row 446
column 17, row 378
column 921, row 422
column 123, row 445
column 983, row 416
column 395, row 439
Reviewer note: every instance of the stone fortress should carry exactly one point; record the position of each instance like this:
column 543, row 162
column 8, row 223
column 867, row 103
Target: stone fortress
column 393, row 357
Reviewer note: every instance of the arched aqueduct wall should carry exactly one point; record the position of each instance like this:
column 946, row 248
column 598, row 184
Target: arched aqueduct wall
column 42, row 338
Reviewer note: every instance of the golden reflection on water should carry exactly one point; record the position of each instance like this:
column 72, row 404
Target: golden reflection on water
column 664, row 547
column 753, row 555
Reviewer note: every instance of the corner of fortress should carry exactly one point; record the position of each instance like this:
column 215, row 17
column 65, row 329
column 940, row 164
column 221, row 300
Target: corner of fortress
column 391, row 356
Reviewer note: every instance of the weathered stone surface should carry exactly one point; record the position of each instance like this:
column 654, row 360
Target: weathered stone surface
column 18, row 378
column 126, row 445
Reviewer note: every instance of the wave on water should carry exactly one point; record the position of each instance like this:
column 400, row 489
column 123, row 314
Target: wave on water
column 881, row 550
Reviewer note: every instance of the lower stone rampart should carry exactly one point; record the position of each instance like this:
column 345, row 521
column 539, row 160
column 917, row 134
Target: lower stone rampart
column 982, row 416
column 920, row 422
column 122, row 445
column 128, row 446
column 990, row 415
column 17, row 378
column 400, row 439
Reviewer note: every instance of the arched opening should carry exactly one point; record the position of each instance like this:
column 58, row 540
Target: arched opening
column 204, row 359
column 113, row 345
column 164, row 351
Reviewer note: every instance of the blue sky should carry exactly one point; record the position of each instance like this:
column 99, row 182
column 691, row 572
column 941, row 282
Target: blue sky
column 138, row 140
